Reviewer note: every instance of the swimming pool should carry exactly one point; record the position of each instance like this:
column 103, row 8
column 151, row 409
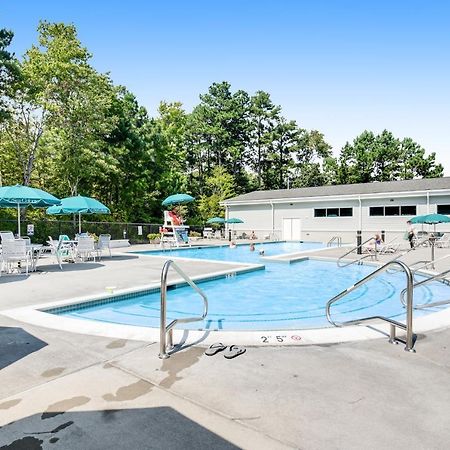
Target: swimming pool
column 281, row 297
column 241, row 253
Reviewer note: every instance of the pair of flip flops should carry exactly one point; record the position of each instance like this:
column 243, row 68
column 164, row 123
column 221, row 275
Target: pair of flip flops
column 231, row 353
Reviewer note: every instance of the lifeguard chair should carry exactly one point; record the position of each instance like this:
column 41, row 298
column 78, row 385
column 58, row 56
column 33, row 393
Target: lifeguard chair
column 173, row 231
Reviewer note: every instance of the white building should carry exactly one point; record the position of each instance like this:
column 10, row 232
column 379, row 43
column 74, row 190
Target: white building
column 319, row 213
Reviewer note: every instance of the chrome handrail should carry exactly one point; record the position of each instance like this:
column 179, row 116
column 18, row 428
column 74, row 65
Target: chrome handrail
column 338, row 262
column 410, row 337
column 426, row 263
column 438, row 276
column 338, row 239
column 166, row 331
column 408, row 251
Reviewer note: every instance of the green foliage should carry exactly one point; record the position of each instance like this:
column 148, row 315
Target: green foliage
column 153, row 236
column 218, row 187
column 9, row 71
column 385, row 158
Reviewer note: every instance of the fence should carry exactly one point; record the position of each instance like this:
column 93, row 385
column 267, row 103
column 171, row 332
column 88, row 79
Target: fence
column 136, row 233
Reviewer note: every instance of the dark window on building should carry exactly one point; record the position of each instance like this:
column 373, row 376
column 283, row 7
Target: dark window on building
column 320, row 212
column 346, row 212
column 443, row 209
column 392, row 210
column 408, row 210
column 376, row 210
column 332, row 212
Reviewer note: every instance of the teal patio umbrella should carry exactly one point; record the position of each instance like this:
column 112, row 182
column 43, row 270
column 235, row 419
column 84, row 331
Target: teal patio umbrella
column 431, row 219
column 79, row 205
column 233, row 220
column 178, row 199
column 19, row 196
column 219, row 220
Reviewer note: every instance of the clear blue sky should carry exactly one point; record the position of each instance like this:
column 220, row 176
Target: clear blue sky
column 336, row 66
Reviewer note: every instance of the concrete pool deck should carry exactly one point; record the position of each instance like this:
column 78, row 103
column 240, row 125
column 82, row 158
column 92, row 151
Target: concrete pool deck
column 68, row 390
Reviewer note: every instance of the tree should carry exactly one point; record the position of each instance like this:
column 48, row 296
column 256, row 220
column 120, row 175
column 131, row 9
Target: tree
column 9, row 71
column 385, row 158
column 310, row 158
column 219, row 130
column 172, row 154
column 279, row 164
column 414, row 163
column 263, row 117
column 220, row 186
column 76, row 99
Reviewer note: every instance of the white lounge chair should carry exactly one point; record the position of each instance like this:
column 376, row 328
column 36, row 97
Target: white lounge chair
column 207, row 233
column 59, row 250
column 443, row 242
column 103, row 244
column 85, row 248
column 6, row 236
column 15, row 252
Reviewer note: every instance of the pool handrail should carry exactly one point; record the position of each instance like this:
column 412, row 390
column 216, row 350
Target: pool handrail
column 166, row 331
column 425, row 263
column 338, row 240
column 410, row 250
column 438, row 276
column 408, row 327
column 353, row 261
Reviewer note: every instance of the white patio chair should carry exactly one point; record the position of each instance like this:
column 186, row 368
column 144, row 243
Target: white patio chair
column 6, row 236
column 15, row 252
column 59, row 250
column 103, row 244
column 443, row 242
column 207, row 233
column 85, row 248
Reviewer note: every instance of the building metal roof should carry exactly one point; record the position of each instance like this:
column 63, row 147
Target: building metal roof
column 423, row 184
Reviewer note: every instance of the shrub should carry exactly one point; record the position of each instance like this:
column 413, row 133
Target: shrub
column 153, row 236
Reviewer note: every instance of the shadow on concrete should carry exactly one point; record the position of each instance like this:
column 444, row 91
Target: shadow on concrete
column 10, row 278
column 141, row 428
column 119, row 258
column 67, row 267
column 15, row 344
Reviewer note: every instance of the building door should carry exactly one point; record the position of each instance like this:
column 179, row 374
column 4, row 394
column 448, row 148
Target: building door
column 292, row 229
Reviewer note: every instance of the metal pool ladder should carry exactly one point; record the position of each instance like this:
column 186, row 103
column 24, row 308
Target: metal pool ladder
column 337, row 239
column 358, row 261
column 166, row 331
column 408, row 327
column 439, row 276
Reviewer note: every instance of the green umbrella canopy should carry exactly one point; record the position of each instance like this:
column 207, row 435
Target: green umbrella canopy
column 22, row 196
column 431, row 219
column 79, row 205
column 178, row 199
column 216, row 220
column 234, row 220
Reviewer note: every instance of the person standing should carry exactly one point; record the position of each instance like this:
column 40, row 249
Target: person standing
column 411, row 233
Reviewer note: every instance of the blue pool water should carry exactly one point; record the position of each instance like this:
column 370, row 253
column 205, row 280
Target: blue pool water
column 241, row 253
column 283, row 296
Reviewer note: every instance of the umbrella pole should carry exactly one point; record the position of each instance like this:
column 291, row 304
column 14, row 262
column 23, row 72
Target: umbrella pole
column 18, row 219
column 79, row 223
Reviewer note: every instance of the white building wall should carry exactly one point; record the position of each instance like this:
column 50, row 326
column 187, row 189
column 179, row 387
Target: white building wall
column 261, row 219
